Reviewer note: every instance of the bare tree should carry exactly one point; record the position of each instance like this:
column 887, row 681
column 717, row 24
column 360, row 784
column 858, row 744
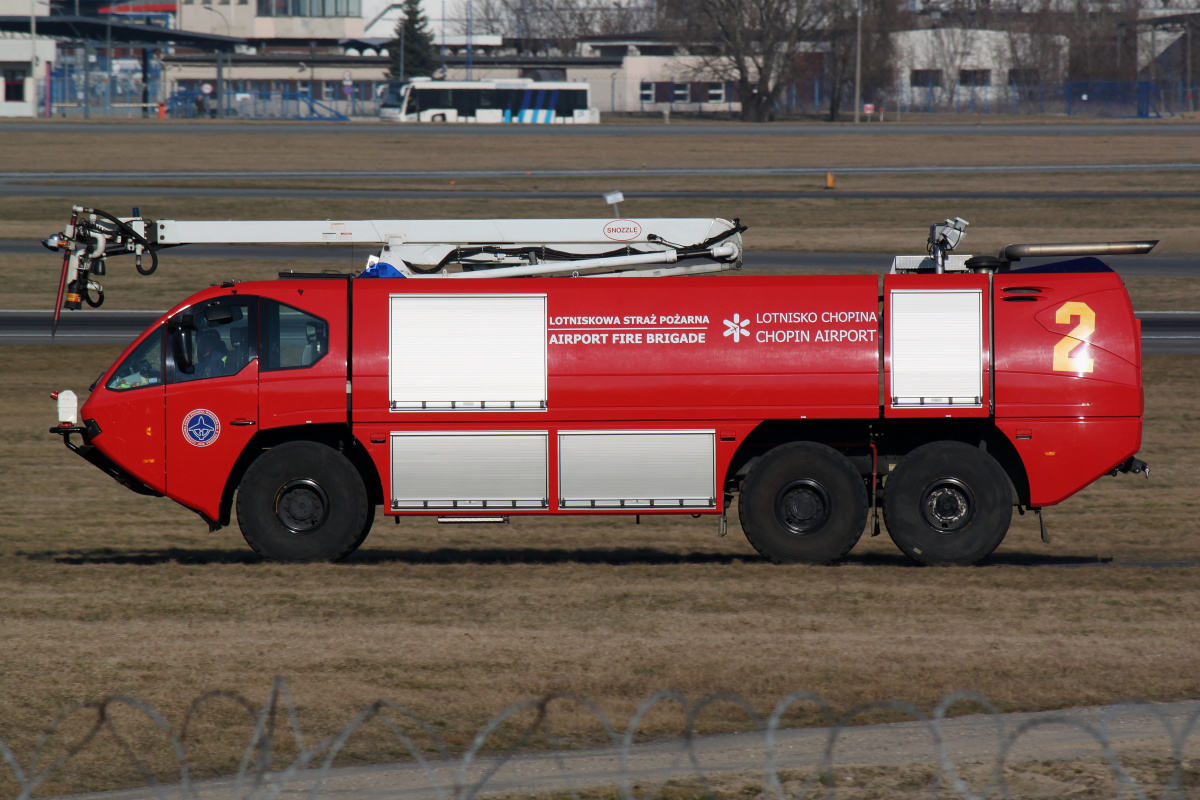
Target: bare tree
column 563, row 22
column 840, row 34
column 1103, row 39
column 752, row 43
column 1034, row 49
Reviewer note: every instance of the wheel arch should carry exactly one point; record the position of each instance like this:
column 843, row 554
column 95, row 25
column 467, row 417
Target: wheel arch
column 893, row 437
column 845, row 435
column 901, row 437
column 331, row 435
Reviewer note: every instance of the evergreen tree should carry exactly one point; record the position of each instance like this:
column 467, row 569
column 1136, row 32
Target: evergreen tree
column 420, row 56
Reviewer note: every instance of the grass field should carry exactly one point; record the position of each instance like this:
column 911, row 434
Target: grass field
column 103, row 591
column 351, row 149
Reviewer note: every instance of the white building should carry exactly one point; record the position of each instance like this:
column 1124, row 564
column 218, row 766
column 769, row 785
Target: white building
column 941, row 67
column 23, row 69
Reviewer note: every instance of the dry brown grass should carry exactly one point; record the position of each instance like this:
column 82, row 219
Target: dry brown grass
column 102, row 591
column 821, row 222
column 348, row 148
column 914, row 183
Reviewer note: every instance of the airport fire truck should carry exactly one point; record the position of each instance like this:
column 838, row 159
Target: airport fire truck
column 479, row 370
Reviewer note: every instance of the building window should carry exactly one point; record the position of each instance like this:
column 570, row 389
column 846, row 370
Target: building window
column 14, row 86
column 716, row 93
column 680, row 93
column 925, row 77
column 974, row 77
column 646, row 94
column 309, row 8
column 1023, row 77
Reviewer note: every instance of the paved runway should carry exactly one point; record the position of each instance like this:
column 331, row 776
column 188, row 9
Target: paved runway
column 340, row 256
column 345, row 257
column 80, row 194
column 16, row 176
column 905, row 128
column 1162, row 331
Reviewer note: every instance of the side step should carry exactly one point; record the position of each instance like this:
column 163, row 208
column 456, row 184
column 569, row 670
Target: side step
column 471, row 520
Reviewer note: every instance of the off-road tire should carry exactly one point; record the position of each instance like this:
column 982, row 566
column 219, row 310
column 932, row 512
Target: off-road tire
column 301, row 502
column 947, row 504
column 803, row 503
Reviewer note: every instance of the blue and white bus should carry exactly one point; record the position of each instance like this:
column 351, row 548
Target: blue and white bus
column 496, row 101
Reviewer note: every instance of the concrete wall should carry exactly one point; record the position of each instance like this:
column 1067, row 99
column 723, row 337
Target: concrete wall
column 15, row 55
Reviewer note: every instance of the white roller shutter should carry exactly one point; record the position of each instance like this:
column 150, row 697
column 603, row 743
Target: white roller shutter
column 457, row 352
column 489, row 469
column 936, row 340
column 636, row 469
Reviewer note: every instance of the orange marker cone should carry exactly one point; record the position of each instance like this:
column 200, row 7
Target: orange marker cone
column 829, row 180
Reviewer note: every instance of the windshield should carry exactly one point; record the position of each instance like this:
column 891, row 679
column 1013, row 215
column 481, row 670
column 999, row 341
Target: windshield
column 142, row 367
column 394, row 97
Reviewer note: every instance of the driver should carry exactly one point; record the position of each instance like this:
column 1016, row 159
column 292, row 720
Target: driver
column 212, row 354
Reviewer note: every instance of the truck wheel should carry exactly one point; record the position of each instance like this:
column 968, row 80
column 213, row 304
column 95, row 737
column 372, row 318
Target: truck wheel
column 303, row 501
column 803, row 503
column 947, row 504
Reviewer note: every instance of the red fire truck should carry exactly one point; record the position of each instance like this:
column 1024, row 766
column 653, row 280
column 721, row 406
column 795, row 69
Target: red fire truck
column 456, row 378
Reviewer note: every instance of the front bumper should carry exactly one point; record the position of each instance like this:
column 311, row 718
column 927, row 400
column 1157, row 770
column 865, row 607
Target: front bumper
column 89, row 453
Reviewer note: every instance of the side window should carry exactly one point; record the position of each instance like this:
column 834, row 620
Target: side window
column 291, row 338
column 143, row 367
column 219, row 341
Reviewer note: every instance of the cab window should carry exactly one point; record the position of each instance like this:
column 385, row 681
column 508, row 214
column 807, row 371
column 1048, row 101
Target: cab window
column 291, row 338
column 143, row 367
column 219, row 344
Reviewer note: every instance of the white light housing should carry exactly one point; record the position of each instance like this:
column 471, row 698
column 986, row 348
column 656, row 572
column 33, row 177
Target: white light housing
column 68, row 408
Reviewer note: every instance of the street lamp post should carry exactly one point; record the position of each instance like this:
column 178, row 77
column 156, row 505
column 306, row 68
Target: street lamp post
column 33, row 56
column 220, row 72
column 858, row 63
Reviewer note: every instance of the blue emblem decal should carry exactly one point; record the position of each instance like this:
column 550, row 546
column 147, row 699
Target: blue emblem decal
column 201, row 427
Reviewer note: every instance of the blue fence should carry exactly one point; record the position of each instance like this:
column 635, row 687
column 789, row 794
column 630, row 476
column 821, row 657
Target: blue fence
column 101, row 92
column 1140, row 99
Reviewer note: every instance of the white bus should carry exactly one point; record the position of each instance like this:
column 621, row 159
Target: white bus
column 503, row 100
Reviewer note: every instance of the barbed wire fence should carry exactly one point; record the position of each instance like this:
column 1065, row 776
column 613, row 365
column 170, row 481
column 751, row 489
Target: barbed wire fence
column 263, row 775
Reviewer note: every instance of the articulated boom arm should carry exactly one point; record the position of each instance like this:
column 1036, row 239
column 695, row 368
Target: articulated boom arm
column 495, row 248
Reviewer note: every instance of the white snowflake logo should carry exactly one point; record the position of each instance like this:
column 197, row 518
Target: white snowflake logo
column 737, row 328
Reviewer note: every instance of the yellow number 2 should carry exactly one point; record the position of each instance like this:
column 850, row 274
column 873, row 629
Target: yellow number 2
column 1063, row 362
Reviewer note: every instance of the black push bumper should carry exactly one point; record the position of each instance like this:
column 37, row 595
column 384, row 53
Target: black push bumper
column 88, row 431
column 1134, row 465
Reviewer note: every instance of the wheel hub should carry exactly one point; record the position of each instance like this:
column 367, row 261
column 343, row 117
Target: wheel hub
column 803, row 506
column 301, row 506
column 948, row 505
